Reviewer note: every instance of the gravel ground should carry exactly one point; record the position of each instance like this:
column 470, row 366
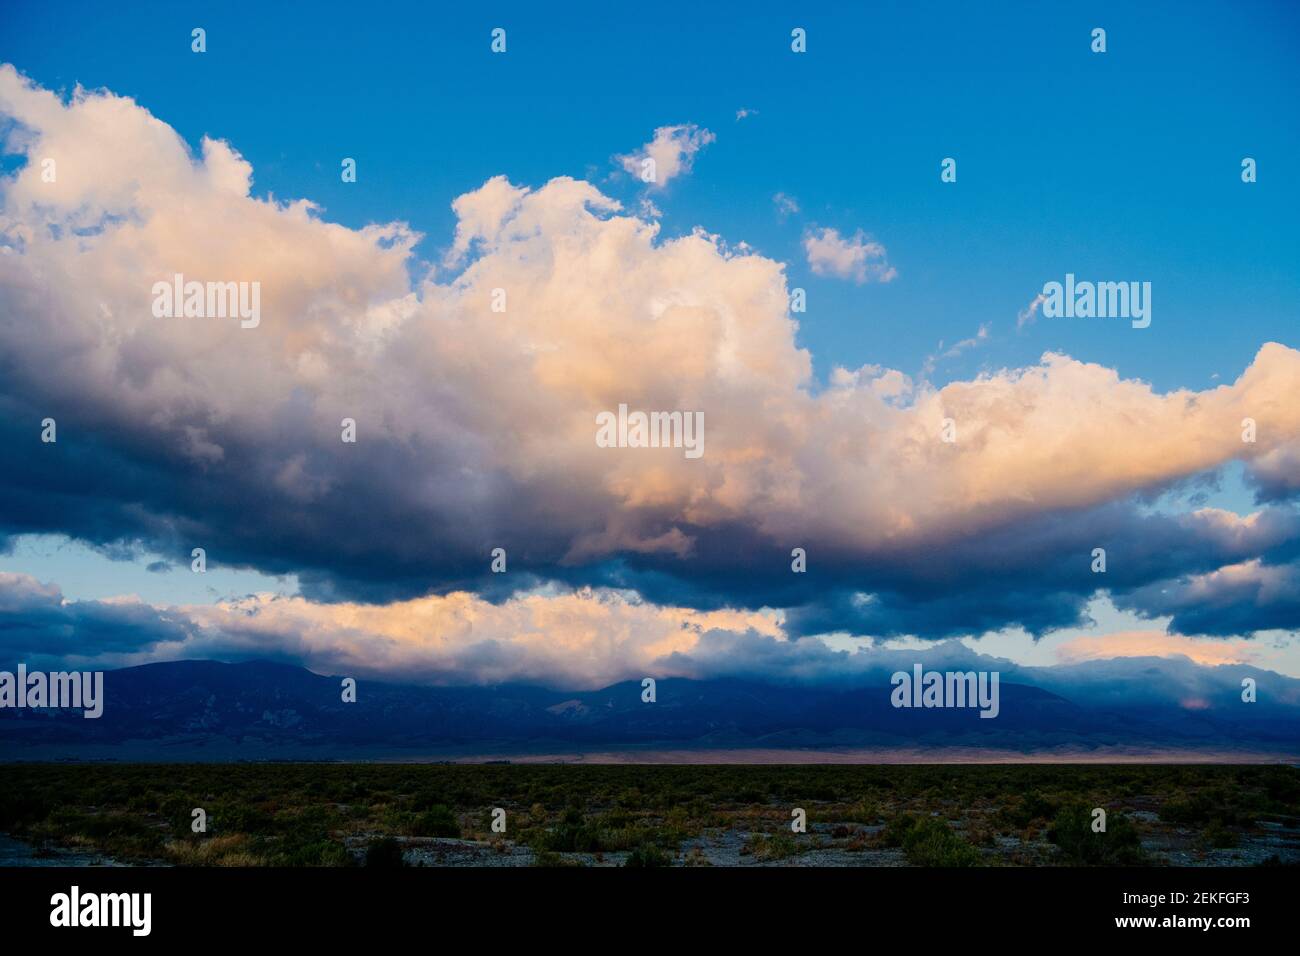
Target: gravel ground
column 17, row 853
column 821, row 847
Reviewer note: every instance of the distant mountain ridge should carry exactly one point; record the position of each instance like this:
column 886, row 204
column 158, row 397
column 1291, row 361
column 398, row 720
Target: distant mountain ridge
column 214, row 710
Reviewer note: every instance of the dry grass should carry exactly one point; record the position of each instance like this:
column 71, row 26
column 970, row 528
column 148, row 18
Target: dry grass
column 231, row 850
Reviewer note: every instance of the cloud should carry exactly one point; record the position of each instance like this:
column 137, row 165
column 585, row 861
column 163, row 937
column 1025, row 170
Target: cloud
column 786, row 206
column 38, row 626
column 577, row 639
column 1232, row 599
column 979, row 338
column 672, row 151
column 857, row 258
column 476, row 428
column 591, row 638
column 481, row 215
column 1155, row 644
column 1029, row 313
column 743, row 113
column 1275, row 473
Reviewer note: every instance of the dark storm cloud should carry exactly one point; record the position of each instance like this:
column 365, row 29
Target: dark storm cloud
column 1035, row 574
column 1235, row 600
column 357, row 539
column 37, row 625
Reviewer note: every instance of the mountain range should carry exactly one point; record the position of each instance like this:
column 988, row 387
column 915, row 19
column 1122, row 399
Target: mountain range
column 196, row 710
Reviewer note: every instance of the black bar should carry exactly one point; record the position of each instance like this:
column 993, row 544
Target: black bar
column 210, row 905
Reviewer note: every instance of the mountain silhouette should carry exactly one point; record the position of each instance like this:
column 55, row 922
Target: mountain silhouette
column 261, row 709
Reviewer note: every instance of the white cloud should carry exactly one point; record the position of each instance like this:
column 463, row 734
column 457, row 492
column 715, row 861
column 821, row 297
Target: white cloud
column 858, row 258
column 480, row 215
column 483, row 422
column 1029, row 313
column 581, row 639
column 785, row 205
column 673, row 150
column 976, row 340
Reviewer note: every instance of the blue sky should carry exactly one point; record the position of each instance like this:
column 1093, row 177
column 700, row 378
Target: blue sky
column 1119, row 165
column 1122, row 166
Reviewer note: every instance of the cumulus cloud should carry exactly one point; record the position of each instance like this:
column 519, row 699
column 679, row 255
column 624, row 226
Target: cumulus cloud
column 588, row 639
column 857, row 257
column 583, row 638
column 672, row 151
column 476, row 429
column 1236, row 598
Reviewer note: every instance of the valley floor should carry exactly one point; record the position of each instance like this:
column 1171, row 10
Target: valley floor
column 391, row 815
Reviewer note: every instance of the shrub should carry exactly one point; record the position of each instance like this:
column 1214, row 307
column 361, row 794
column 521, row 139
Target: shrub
column 775, row 847
column 1028, row 808
column 1217, row 837
column 1078, row 845
column 1200, row 809
column 647, row 854
column 931, row 842
column 896, row 829
column 437, row 821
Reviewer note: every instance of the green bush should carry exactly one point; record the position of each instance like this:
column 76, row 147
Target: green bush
column 1217, row 837
column 647, row 854
column 931, row 842
column 570, row 838
column 18, row 808
column 1025, row 809
column 778, row 846
column 438, row 821
column 1078, row 845
column 316, row 853
column 1201, row 809
column 896, row 829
